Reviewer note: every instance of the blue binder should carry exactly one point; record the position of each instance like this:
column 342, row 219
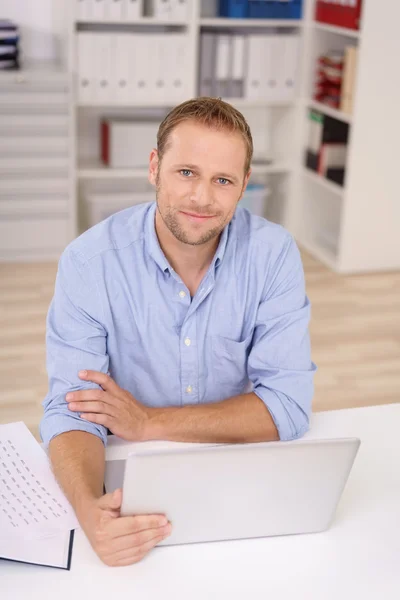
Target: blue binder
column 274, row 9
column 235, row 9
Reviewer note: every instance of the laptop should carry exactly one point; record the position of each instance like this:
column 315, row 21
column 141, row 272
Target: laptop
column 240, row 491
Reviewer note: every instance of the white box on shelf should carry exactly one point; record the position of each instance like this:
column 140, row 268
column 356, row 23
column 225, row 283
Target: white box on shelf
column 255, row 199
column 127, row 143
column 159, row 9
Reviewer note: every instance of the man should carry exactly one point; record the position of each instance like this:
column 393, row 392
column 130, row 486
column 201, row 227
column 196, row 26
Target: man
column 189, row 318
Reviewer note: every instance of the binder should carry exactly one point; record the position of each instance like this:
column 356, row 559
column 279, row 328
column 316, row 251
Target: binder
column 255, row 80
column 271, row 59
column 288, row 78
column 139, row 53
column 85, row 47
column 236, row 87
column 236, row 9
column 114, row 10
column 178, row 68
column 348, row 82
column 83, row 10
column 103, row 67
column 179, row 10
column 132, row 10
column 123, row 79
column 208, row 42
column 159, row 9
column 98, row 12
column 345, row 14
column 223, row 66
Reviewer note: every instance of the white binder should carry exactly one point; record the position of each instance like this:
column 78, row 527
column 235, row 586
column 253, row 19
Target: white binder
column 160, row 9
column 83, row 10
column 272, row 73
column 179, row 10
column 140, row 48
column 255, row 80
column 98, row 10
column 222, row 71
column 289, row 67
column 238, row 66
column 123, row 71
column 86, row 77
column 103, row 67
column 114, row 10
column 132, row 10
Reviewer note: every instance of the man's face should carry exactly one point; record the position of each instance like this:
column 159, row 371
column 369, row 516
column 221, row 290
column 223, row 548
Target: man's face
column 199, row 181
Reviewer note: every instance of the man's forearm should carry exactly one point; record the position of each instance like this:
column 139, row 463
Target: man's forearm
column 239, row 419
column 78, row 462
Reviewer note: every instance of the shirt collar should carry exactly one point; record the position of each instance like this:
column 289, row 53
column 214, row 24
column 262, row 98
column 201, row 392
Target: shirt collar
column 154, row 248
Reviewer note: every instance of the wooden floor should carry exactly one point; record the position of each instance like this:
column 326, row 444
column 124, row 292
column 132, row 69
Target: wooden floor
column 355, row 332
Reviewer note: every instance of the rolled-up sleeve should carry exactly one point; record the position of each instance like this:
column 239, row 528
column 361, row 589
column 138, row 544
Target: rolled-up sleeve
column 279, row 364
column 75, row 340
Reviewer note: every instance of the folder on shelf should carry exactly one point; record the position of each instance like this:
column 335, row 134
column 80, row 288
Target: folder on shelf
column 83, row 10
column 132, row 10
column 103, row 67
column 254, row 82
column 222, row 67
column 233, row 8
column 346, row 13
column 159, row 9
column 287, row 78
column 236, row 84
column 139, row 53
column 85, row 47
column 114, row 10
column 179, row 10
column 122, row 74
column 208, row 43
column 332, row 161
column 98, row 10
column 348, row 82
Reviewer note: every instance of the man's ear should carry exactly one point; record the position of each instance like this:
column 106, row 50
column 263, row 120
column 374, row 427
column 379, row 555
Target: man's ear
column 153, row 166
column 245, row 182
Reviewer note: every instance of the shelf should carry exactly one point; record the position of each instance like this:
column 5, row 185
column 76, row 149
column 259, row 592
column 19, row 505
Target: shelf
column 323, row 182
column 142, row 21
column 95, row 170
column 226, row 22
column 324, row 255
column 331, row 112
column 352, row 33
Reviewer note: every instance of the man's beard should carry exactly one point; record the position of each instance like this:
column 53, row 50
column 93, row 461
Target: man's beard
column 170, row 219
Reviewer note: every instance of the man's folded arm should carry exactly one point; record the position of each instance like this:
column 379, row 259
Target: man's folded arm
column 75, row 340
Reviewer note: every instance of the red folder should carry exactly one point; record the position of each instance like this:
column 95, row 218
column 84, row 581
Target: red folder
column 348, row 15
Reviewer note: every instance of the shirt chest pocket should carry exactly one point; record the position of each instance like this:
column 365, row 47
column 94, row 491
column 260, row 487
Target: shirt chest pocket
column 229, row 365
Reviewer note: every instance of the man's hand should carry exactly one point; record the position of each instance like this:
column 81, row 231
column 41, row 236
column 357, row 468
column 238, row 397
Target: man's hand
column 112, row 407
column 121, row 541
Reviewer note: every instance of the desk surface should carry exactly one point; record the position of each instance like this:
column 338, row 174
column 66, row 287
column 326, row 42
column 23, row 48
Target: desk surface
column 357, row 558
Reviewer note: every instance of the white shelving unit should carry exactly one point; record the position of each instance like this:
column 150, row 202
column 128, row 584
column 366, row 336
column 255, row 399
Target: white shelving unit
column 37, row 203
column 353, row 228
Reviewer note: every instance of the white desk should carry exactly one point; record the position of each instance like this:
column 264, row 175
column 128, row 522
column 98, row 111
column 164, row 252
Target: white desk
column 358, row 558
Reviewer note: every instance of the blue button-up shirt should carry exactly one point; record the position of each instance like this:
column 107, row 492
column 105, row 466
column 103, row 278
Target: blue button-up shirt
column 119, row 307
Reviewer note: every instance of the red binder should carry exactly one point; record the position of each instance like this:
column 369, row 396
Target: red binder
column 348, row 15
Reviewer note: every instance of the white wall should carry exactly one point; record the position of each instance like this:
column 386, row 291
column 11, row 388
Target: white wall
column 40, row 24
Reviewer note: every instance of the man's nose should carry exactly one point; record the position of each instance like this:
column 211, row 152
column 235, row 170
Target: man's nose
column 202, row 193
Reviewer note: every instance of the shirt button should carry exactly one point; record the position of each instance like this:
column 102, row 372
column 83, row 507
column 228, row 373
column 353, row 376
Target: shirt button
column 187, row 342
column 182, row 294
column 189, row 389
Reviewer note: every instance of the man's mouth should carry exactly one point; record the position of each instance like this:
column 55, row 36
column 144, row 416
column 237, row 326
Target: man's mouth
column 196, row 216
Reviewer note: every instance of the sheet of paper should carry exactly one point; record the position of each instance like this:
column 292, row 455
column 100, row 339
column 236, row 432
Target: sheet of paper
column 32, row 504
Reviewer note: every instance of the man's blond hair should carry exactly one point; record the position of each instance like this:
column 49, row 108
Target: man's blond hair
column 212, row 112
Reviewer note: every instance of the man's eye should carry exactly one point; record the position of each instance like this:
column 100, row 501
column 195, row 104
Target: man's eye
column 223, row 181
column 186, row 172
